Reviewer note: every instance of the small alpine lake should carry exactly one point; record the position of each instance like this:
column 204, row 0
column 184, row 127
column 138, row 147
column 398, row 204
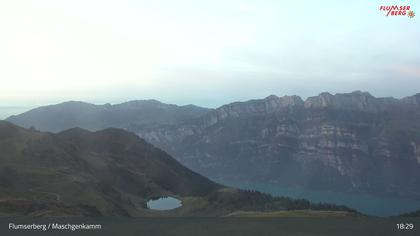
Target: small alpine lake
column 164, row 203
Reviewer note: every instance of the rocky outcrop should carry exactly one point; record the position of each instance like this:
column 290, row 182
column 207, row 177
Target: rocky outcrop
column 265, row 106
column 357, row 100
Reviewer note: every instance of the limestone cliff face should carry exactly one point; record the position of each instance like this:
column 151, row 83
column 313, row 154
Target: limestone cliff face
column 265, row 106
column 357, row 100
column 347, row 142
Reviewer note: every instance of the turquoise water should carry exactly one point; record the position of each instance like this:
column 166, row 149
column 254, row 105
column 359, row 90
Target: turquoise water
column 364, row 203
column 164, row 203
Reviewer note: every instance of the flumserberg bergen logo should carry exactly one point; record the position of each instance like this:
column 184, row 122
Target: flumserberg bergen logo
column 397, row 10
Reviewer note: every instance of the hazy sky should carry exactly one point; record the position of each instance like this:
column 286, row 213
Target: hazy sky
column 202, row 52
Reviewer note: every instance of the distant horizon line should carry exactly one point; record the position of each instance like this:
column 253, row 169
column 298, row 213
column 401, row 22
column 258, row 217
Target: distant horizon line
column 99, row 103
column 25, row 108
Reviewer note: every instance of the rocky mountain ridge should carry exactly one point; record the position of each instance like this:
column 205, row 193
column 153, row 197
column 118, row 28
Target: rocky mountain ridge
column 346, row 142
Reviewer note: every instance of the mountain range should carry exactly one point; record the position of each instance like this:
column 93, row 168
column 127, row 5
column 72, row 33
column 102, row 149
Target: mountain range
column 129, row 115
column 350, row 142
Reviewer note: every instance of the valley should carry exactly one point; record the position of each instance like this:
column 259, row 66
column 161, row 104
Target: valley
column 113, row 172
column 351, row 143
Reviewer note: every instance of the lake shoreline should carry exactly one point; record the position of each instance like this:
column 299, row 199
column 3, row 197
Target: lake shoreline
column 372, row 205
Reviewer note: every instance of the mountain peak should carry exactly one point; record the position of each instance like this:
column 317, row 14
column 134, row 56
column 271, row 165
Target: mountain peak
column 355, row 100
column 325, row 94
column 271, row 97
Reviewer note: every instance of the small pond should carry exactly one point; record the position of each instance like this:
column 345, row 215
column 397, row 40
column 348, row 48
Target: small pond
column 164, row 203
